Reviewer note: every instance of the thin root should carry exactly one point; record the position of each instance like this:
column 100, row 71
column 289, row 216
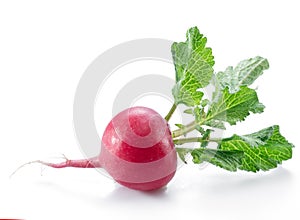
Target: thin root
column 23, row 165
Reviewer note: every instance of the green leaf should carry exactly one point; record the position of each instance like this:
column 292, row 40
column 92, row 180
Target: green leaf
column 205, row 102
column 180, row 126
column 188, row 111
column 234, row 107
column 260, row 137
column 199, row 114
column 201, row 118
column 185, row 91
column 229, row 160
column 244, row 74
column 194, row 47
column 182, row 152
column 200, row 129
column 205, row 137
column 263, row 150
column 215, row 124
column 193, row 64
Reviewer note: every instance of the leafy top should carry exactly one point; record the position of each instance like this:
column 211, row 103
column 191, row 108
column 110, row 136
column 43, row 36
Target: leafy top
column 232, row 101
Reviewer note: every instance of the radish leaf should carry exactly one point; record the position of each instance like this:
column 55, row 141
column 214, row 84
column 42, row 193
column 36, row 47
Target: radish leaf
column 234, row 107
column 263, row 150
column 230, row 160
column 244, row 74
column 193, row 65
column 184, row 53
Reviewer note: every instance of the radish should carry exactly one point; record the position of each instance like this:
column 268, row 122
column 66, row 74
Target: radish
column 137, row 150
column 138, row 147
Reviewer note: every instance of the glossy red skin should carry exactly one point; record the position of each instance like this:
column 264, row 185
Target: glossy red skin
column 121, row 149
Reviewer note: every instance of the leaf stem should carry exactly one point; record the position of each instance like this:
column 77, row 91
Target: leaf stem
column 194, row 139
column 187, row 128
column 172, row 110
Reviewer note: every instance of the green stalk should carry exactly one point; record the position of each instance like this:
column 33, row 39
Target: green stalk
column 194, row 139
column 172, row 110
column 188, row 128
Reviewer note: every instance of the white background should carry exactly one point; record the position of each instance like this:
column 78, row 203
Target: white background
column 46, row 46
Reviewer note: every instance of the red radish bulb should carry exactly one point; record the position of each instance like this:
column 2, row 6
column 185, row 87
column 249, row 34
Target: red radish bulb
column 137, row 149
